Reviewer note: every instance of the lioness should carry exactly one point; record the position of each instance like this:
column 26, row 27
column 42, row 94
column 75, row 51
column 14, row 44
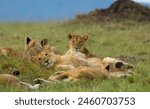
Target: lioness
column 77, row 43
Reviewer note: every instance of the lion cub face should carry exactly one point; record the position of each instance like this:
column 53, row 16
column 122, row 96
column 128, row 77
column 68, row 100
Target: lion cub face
column 44, row 59
column 77, row 42
column 32, row 47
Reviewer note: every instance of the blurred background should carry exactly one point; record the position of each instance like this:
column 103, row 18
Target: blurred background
column 45, row 10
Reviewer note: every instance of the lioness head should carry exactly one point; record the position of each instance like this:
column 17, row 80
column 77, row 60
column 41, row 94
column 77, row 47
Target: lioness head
column 44, row 59
column 77, row 42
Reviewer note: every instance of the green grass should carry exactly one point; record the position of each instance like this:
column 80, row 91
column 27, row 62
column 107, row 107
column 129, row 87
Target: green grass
column 129, row 41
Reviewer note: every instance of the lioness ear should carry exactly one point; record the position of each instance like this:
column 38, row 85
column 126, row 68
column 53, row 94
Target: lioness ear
column 70, row 36
column 44, row 42
column 27, row 40
column 85, row 37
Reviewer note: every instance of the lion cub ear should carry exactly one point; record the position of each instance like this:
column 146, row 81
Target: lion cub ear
column 27, row 40
column 44, row 42
column 70, row 36
column 85, row 37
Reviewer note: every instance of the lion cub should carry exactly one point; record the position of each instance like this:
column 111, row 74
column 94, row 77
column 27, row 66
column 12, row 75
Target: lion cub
column 80, row 73
column 8, row 79
column 12, row 79
column 77, row 74
column 32, row 48
column 51, row 60
column 118, row 68
column 77, row 43
column 67, row 61
column 48, row 48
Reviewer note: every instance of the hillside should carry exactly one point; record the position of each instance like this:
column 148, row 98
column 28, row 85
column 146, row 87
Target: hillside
column 119, row 10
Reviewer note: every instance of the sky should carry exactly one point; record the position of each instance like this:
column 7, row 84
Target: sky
column 43, row 10
column 145, row 1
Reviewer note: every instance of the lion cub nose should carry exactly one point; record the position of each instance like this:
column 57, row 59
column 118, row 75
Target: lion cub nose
column 76, row 48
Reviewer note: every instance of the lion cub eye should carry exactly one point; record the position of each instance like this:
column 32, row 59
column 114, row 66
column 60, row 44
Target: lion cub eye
column 39, row 59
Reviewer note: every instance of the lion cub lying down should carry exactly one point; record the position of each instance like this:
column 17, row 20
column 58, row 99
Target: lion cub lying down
column 109, row 67
column 68, row 61
column 104, row 71
column 82, row 72
column 79, row 73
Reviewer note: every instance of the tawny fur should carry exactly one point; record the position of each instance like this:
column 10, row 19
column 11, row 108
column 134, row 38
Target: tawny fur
column 77, row 43
column 125, row 69
column 8, row 79
column 67, row 61
column 81, row 73
column 10, row 52
column 32, row 48
column 48, row 48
